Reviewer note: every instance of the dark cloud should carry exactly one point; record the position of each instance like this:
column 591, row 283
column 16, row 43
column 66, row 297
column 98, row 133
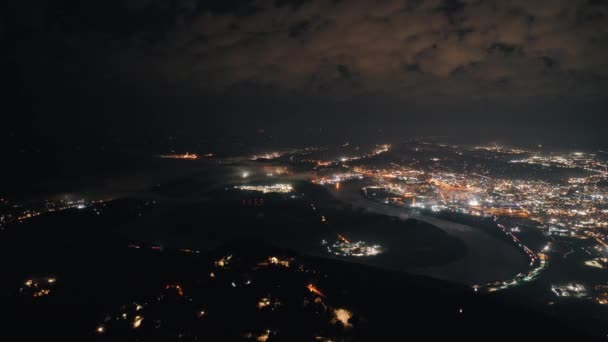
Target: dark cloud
column 210, row 47
column 141, row 68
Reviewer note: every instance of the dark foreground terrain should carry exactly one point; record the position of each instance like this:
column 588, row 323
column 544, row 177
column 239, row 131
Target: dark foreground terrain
column 108, row 288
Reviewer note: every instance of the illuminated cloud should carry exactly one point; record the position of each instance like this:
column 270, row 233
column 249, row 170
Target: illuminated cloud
column 335, row 48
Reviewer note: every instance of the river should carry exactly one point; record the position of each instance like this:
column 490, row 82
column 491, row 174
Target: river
column 488, row 258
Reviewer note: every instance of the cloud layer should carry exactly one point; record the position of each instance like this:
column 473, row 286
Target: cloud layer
column 410, row 49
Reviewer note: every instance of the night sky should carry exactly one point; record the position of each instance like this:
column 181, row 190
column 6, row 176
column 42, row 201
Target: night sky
column 306, row 71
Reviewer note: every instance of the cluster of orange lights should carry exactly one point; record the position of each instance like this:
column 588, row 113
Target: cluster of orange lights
column 181, row 156
column 177, row 287
column 312, row 288
column 343, row 239
column 323, row 163
column 507, row 212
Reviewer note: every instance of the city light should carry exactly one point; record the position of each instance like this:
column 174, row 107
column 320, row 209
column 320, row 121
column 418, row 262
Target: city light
column 137, row 321
column 343, row 247
column 274, row 188
column 190, row 156
column 343, row 316
column 270, row 155
column 312, row 288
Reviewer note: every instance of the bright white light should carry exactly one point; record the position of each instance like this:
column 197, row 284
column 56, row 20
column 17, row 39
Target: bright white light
column 278, row 188
column 245, row 174
column 137, row 321
column 342, row 316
